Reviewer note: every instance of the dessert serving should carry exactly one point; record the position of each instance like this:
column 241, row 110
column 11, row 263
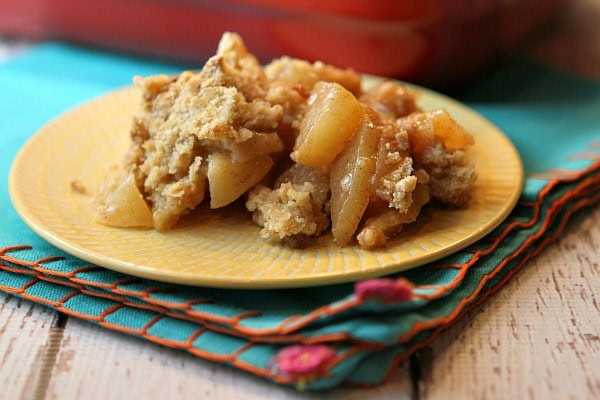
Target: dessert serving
column 303, row 145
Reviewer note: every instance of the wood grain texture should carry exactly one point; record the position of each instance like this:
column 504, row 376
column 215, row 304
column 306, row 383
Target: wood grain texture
column 94, row 363
column 30, row 337
column 538, row 338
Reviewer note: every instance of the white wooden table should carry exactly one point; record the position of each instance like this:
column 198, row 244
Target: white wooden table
column 538, row 338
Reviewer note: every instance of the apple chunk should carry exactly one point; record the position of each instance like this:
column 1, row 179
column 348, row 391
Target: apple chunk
column 331, row 118
column 228, row 179
column 120, row 203
column 350, row 180
column 448, row 131
column 436, row 126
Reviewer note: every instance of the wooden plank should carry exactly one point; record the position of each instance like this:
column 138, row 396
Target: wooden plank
column 94, row 363
column 30, row 335
column 538, row 338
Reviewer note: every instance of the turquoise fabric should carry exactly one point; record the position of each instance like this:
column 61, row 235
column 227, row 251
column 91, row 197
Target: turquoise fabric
column 553, row 119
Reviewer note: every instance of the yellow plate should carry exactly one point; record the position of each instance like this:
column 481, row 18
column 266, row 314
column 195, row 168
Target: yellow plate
column 224, row 249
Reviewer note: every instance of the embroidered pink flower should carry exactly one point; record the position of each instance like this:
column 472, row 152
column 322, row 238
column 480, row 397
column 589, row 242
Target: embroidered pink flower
column 385, row 290
column 302, row 361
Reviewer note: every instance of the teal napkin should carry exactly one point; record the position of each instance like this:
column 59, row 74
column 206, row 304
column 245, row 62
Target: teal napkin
column 318, row 337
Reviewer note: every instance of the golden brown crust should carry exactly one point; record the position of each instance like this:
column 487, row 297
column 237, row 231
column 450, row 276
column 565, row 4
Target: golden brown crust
column 288, row 211
column 185, row 117
column 451, row 177
column 229, row 130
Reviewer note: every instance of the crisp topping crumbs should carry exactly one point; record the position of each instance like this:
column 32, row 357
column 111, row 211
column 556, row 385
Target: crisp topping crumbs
column 301, row 144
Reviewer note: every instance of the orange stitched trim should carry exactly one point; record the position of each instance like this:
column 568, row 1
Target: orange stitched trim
column 78, row 288
column 286, row 326
column 66, row 297
column 56, row 304
column 109, row 311
column 21, row 289
column 298, row 337
column 15, row 248
column 143, row 332
column 28, row 285
column 292, row 323
column 286, row 380
column 264, row 373
column 155, row 289
column 10, row 289
column 282, row 329
column 71, row 274
column 111, row 286
column 446, row 322
column 194, row 336
column 9, row 249
column 295, row 323
column 420, row 326
column 81, row 289
column 485, row 295
column 146, row 296
column 36, row 263
column 548, row 240
column 242, row 349
column 223, row 320
column 492, row 247
column 151, row 323
column 187, row 306
column 564, row 175
column 586, row 202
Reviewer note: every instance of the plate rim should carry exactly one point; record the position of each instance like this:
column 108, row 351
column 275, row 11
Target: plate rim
column 143, row 271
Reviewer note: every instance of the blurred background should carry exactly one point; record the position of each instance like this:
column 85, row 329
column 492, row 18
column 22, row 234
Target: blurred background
column 431, row 42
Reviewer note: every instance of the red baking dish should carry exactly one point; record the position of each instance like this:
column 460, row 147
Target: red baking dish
column 436, row 42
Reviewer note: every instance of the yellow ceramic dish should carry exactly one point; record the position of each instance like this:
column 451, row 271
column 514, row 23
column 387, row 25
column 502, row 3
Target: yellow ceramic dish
column 223, row 248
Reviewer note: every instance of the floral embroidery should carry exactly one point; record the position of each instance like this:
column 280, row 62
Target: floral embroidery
column 302, row 362
column 386, row 290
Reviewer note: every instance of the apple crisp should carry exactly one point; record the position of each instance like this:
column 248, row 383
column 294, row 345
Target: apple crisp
column 301, row 144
